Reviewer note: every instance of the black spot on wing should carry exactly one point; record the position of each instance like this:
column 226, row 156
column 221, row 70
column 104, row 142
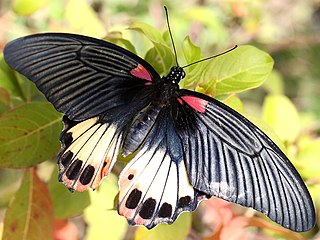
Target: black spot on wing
column 87, row 175
column 130, row 177
column 133, row 199
column 67, row 139
column 148, row 208
column 165, row 210
column 74, row 169
column 184, row 201
column 66, row 158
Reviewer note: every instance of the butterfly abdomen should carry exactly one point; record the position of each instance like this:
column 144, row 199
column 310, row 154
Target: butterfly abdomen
column 140, row 129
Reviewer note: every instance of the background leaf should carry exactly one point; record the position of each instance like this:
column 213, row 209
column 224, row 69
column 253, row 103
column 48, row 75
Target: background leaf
column 29, row 135
column 9, row 80
column 66, row 204
column 27, row 7
column 116, row 38
column 161, row 56
column 100, row 216
column 178, row 230
column 30, row 212
column 308, row 158
column 83, row 19
column 192, row 53
column 244, row 68
column 282, row 116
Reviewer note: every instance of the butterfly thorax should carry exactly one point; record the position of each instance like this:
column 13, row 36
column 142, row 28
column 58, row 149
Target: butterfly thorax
column 165, row 93
column 175, row 75
column 168, row 87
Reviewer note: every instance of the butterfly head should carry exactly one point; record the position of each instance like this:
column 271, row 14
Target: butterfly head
column 175, row 75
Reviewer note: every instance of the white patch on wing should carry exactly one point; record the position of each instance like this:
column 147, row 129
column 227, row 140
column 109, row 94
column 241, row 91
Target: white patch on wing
column 94, row 148
column 185, row 187
column 154, row 189
column 81, row 127
column 83, row 145
column 141, row 166
column 225, row 191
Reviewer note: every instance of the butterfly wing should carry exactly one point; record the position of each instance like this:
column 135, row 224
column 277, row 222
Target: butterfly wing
column 81, row 76
column 228, row 157
column 99, row 87
column 154, row 186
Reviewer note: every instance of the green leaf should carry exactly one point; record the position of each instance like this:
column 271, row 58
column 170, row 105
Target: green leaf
column 4, row 100
column 308, row 159
column 235, row 103
column 10, row 181
column 315, row 193
column 155, row 59
column 4, row 96
column 28, row 7
column 178, row 230
column 153, row 34
column 161, row 57
column 9, row 81
column 29, row 135
column 66, row 204
column 30, row 214
column 274, row 83
column 83, row 19
column 244, row 68
column 192, row 53
column 102, row 220
column 282, row 116
column 116, row 38
column 6, row 82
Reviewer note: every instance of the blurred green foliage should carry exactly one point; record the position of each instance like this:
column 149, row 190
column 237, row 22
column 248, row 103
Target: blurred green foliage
column 286, row 106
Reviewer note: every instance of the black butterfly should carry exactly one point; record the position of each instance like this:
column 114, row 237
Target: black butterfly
column 189, row 146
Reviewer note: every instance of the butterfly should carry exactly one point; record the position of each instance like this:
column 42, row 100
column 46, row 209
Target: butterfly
column 187, row 146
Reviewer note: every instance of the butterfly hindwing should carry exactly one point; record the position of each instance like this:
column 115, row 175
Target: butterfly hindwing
column 230, row 158
column 81, row 76
column 89, row 150
column 154, row 186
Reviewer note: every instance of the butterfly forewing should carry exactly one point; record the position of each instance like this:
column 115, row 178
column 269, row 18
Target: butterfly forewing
column 81, row 76
column 228, row 157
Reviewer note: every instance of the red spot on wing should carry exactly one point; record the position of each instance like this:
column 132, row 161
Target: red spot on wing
column 196, row 103
column 141, row 72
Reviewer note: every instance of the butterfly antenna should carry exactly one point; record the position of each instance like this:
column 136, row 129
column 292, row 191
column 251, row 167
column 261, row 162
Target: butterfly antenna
column 205, row 59
column 174, row 47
